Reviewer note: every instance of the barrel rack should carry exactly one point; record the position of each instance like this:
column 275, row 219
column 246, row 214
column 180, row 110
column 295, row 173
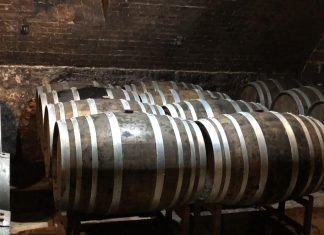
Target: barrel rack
column 5, row 215
column 190, row 215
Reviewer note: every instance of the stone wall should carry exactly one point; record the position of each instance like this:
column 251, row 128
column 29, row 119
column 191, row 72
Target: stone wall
column 314, row 67
column 202, row 35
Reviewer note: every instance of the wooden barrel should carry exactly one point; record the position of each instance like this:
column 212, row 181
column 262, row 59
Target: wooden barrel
column 265, row 91
column 66, row 110
column 150, row 86
column 77, row 94
column 197, row 109
column 298, row 100
column 65, row 85
column 317, row 110
column 173, row 96
column 117, row 163
column 262, row 158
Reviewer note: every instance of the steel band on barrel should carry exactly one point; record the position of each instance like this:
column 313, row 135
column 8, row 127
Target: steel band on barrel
column 174, row 85
column 94, row 162
column 317, row 92
column 227, row 156
column 321, row 141
column 264, row 158
column 200, row 94
column 143, row 98
column 192, row 110
column 268, row 93
column 244, row 156
column 305, row 97
column 150, row 97
column 74, row 109
column 160, row 109
column 78, row 154
column 247, row 105
column 259, row 91
column 180, row 161
column 133, row 88
column 299, row 103
column 207, row 108
column 92, row 106
column 294, row 153
column 172, row 110
column 136, row 96
column 110, row 94
column 215, row 185
column 162, row 97
column 142, row 107
column 193, row 163
column 181, row 111
column 144, row 87
column 127, row 87
column 155, row 85
column 236, row 107
column 152, row 109
column 311, row 153
column 125, row 104
column 118, row 161
column 65, row 162
column 75, row 93
column 160, row 161
column 126, row 94
column 55, row 97
column 61, row 110
column 175, row 96
column 202, row 158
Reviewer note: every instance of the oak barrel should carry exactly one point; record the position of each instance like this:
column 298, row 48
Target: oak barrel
column 172, row 96
column 197, row 109
column 149, row 86
column 77, row 94
column 317, row 110
column 262, row 158
column 64, row 85
column 298, row 100
column 117, row 163
column 265, row 91
column 67, row 110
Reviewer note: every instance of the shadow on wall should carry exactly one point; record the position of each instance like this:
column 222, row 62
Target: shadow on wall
column 8, row 128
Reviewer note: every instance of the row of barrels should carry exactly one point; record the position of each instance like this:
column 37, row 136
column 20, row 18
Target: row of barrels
column 191, row 110
column 98, row 158
column 287, row 96
column 128, row 163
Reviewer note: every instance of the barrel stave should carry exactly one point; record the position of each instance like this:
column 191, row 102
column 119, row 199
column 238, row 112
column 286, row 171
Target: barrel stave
column 145, row 169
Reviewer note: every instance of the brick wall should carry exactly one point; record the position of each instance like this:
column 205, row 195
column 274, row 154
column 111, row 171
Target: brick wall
column 205, row 35
column 314, row 67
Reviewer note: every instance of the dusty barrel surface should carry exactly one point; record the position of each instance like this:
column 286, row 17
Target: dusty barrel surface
column 77, row 94
column 298, row 100
column 149, row 86
column 67, row 110
column 173, row 96
column 261, row 158
column 197, row 109
column 115, row 163
column 64, row 85
column 265, row 91
column 317, row 110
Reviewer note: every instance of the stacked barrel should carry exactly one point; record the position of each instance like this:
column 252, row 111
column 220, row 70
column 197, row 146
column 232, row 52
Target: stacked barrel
column 158, row 145
column 286, row 95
